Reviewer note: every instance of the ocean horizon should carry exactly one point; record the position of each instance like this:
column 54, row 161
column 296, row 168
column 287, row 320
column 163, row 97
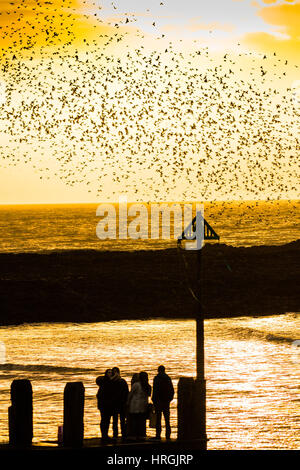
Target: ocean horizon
column 47, row 227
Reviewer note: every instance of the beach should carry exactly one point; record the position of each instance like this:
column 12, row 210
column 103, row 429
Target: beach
column 90, row 285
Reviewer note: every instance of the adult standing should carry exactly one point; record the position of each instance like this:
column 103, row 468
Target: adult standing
column 119, row 397
column 130, row 429
column 163, row 394
column 138, row 405
column 105, row 404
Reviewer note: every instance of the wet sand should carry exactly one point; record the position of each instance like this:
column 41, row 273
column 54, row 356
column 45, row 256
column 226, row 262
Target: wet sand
column 89, row 286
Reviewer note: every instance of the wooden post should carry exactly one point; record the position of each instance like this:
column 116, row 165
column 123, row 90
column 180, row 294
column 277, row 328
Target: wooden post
column 20, row 413
column 199, row 406
column 190, row 411
column 73, row 428
column 185, row 394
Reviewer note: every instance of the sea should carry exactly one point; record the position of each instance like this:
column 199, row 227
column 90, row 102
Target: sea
column 38, row 228
column 252, row 363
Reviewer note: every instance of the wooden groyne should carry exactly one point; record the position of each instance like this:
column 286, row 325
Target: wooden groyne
column 90, row 286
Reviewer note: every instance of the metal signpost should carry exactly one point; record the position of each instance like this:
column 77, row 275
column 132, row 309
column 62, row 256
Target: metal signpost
column 206, row 233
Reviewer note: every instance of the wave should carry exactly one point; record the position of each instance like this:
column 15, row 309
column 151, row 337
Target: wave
column 252, row 333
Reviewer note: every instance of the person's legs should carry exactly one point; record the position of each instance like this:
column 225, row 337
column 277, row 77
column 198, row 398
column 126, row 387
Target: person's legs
column 135, row 424
column 102, row 429
column 141, row 425
column 166, row 412
column 123, row 423
column 130, row 425
column 115, row 424
column 158, row 421
column 104, row 424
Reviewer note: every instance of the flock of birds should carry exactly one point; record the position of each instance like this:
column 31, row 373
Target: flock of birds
column 158, row 124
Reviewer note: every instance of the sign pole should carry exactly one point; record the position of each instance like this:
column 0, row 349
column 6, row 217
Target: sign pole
column 199, row 395
column 200, row 385
column 199, row 323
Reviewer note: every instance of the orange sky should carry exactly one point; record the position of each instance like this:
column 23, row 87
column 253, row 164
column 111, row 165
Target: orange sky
column 285, row 18
column 29, row 26
column 34, row 32
column 52, row 23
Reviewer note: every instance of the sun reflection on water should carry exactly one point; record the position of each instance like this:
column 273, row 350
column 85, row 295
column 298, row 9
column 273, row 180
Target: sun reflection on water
column 252, row 378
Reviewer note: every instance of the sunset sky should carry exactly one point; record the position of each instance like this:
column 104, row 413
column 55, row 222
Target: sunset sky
column 159, row 99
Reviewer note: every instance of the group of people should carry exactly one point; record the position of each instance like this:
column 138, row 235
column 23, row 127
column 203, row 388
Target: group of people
column 116, row 402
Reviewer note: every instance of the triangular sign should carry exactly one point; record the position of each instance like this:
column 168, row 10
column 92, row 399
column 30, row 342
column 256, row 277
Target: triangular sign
column 189, row 232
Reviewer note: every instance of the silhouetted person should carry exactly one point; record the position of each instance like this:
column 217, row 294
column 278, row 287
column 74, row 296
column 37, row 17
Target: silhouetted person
column 163, row 394
column 143, row 377
column 119, row 397
column 135, row 378
column 129, row 424
column 105, row 403
column 138, row 406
